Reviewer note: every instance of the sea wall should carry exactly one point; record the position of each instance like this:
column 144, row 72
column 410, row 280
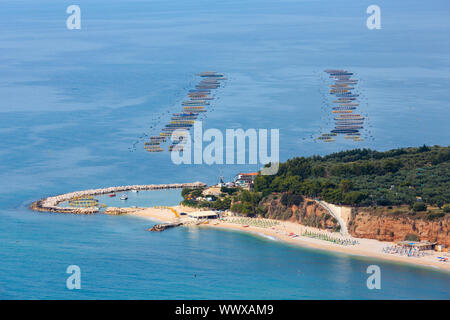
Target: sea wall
column 50, row 204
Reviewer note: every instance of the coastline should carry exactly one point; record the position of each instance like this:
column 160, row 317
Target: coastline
column 51, row 203
column 369, row 248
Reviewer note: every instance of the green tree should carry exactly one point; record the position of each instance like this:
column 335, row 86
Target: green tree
column 345, row 186
column 419, row 206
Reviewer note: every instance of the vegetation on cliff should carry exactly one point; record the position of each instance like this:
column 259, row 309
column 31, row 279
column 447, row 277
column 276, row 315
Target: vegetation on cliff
column 405, row 182
column 364, row 177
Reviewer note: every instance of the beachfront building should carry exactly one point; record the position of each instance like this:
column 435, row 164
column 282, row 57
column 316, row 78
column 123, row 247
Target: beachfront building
column 245, row 179
column 422, row 245
column 203, row 215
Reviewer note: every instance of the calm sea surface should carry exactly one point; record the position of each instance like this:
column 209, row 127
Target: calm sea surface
column 74, row 102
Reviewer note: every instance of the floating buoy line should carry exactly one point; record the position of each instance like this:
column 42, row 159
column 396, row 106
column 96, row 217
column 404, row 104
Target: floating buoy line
column 197, row 102
column 347, row 120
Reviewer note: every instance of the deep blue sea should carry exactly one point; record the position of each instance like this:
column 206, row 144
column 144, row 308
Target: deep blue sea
column 74, row 101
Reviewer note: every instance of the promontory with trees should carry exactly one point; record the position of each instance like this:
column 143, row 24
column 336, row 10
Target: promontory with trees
column 406, row 180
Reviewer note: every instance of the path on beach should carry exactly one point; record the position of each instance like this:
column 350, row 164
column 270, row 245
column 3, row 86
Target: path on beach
column 336, row 214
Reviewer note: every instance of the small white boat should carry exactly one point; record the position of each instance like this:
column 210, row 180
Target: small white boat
column 124, row 197
column 134, row 190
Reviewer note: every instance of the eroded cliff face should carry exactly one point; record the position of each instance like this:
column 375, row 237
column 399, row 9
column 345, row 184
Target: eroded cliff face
column 308, row 213
column 385, row 227
column 363, row 222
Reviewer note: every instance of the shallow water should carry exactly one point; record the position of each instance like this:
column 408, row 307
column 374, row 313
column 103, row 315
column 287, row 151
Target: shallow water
column 144, row 198
column 73, row 102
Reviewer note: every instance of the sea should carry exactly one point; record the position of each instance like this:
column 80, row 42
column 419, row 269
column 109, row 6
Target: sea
column 77, row 106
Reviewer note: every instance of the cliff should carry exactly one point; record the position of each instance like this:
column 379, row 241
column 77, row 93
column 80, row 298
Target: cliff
column 384, row 226
column 308, row 213
column 381, row 223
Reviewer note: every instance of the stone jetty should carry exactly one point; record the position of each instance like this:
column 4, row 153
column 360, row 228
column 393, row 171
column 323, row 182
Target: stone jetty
column 164, row 226
column 50, row 204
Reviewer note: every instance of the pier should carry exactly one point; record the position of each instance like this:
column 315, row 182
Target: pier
column 50, row 204
column 164, row 226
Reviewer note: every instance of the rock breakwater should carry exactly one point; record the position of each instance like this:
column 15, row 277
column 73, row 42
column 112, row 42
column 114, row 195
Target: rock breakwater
column 51, row 204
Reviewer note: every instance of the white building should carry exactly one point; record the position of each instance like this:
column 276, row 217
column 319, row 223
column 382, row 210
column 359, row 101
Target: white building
column 203, row 215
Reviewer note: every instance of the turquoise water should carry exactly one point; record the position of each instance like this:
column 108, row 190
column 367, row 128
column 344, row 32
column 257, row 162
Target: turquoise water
column 73, row 102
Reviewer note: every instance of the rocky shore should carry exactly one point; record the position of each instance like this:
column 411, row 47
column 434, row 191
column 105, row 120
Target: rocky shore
column 51, row 204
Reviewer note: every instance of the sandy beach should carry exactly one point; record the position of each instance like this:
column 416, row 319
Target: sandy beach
column 366, row 247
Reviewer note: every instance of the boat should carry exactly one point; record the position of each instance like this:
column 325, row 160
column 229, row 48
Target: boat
column 342, row 111
column 347, row 81
column 134, row 190
column 195, row 103
column 184, row 121
column 212, row 74
column 124, row 197
column 343, row 95
column 344, row 130
column 349, row 123
column 194, row 107
column 343, row 108
column 157, row 138
column 325, row 138
column 200, row 90
column 209, row 81
column 352, row 120
column 206, row 87
column 112, row 195
column 346, row 100
column 154, row 150
column 196, row 110
column 184, row 118
column 176, row 126
column 166, row 134
column 349, row 127
column 171, row 130
column 206, row 73
column 202, row 98
column 339, row 90
column 346, row 119
column 352, row 115
column 329, row 134
column 341, row 73
column 341, row 87
column 185, row 114
column 217, row 76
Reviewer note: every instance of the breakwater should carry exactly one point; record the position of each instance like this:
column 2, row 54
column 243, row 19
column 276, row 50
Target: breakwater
column 51, row 204
column 164, row 226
